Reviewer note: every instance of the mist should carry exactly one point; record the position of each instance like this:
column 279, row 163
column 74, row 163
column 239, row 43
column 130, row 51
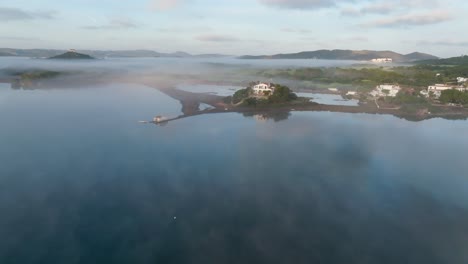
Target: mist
column 166, row 71
column 83, row 181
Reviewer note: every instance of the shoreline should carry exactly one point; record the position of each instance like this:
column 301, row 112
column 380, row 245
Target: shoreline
column 190, row 102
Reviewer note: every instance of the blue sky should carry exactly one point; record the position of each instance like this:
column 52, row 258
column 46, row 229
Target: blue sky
column 237, row 27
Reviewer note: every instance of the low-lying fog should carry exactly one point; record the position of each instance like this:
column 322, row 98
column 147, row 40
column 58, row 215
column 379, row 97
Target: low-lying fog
column 172, row 71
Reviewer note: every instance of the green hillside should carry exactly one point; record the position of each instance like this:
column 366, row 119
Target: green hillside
column 462, row 60
column 347, row 55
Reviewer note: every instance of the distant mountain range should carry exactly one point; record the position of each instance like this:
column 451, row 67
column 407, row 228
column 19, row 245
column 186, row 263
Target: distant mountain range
column 359, row 55
column 47, row 53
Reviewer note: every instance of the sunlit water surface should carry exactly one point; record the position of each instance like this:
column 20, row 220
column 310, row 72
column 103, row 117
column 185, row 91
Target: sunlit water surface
column 81, row 181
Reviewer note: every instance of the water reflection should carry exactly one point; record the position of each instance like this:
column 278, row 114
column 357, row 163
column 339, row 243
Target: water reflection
column 82, row 182
column 272, row 115
column 221, row 90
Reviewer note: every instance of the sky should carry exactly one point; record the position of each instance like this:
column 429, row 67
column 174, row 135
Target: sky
column 237, row 27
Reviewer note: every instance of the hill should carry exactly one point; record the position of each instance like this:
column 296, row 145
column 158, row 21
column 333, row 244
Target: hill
column 462, row 60
column 71, row 55
column 347, row 55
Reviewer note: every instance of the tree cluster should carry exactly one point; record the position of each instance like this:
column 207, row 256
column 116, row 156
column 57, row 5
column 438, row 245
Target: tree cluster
column 414, row 76
column 241, row 95
column 281, row 94
column 454, row 96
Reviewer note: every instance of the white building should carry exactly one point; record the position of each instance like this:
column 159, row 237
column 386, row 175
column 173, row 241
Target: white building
column 437, row 89
column 424, row 93
column 351, row 93
column 462, row 80
column 263, row 88
column 382, row 60
column 384, row 90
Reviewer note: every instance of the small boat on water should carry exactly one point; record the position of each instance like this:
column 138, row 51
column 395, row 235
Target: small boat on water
column 159, row 119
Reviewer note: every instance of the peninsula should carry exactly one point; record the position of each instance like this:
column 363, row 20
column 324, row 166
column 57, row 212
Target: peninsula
column 271, row 100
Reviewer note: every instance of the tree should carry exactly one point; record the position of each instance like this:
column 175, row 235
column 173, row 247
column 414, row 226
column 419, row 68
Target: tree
column 282, row 94
column 241, row 95
column 454, row 96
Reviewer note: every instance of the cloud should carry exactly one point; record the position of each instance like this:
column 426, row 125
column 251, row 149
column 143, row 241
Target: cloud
column 216, row 38
column 357, row 39
column 349, row 11
column 11, row 14
column 420, row 3
column 293, row 30
column 379, row 8
column 163, row 5
column 116, row 23
column 18, row 38
column 384, row 7
column 449, row 43
column 412, row 20
column 302, row 4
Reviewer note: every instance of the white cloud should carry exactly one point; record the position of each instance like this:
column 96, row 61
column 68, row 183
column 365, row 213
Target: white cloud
column 216, row 38
column 116, row 23
column 379, row 8
column 449, row 43
column 350, row 11
column 407, row 20
column 388, row 7
column 163, row 5
column 302, row 4
column 294, row 30
column 10, row 14
column 18, row 38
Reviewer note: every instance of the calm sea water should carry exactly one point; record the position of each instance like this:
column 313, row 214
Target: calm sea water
column 329, row 99
column 81, row 181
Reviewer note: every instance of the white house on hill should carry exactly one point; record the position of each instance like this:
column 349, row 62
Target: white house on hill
column 437, row 89
column 462, row 80
column 385, row 90
column 261, row 88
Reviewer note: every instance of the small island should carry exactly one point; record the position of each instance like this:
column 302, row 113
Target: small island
column 262, row 94
column 72, row 55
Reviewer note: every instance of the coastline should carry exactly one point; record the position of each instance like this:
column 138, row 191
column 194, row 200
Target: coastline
column 190, row 102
